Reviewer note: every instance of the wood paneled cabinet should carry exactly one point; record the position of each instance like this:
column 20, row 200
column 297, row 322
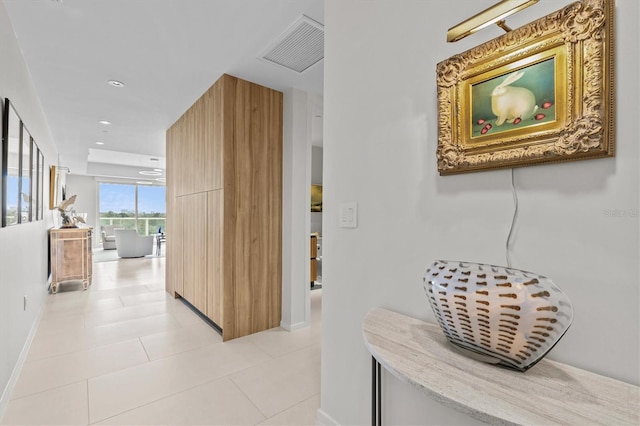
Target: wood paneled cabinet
column 224, row 206
column 71, row 256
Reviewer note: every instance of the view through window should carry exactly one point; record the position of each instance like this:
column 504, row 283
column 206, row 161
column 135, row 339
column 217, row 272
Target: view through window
column 133, row 207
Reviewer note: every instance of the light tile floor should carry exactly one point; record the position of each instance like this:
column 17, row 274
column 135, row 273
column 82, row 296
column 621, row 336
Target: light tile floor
column 125, row 353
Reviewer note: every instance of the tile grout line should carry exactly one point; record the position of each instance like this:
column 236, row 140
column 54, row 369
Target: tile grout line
column 294, row 405
column 47, row 390
column 144, row 349
column 273, row 358
column 249, row 399
column 88, row 406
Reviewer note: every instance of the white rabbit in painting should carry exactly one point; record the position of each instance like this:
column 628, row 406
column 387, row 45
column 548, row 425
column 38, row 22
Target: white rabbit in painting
column 510, row 103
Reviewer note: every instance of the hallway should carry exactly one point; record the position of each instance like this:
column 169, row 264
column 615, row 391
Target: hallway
column 125, row 352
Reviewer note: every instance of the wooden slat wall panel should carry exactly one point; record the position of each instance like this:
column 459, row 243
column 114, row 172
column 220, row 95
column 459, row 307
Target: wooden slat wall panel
column 175, row 240
column 229, row 220
column 188, row 283
column 199, row 163
column 181, row 172
column 184, row 154
column 256, row 179
column 214, row 135
column 194, row 253
column 215, row 230
column 188, row 154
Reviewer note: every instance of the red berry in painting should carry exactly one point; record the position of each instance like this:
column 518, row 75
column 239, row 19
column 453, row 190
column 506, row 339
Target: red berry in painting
column 517, row 120
column 481, row 121
column 484, row 130
column 540, row 116
column 488, row 126
column 547, row 105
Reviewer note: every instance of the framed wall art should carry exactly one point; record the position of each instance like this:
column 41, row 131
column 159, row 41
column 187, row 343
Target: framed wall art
column 316, row 198
column 40, row 185
column 34, row 181
column 53, row 187
column 22, row 179
column 541, row 93
column 11, row 144
column 25, row 176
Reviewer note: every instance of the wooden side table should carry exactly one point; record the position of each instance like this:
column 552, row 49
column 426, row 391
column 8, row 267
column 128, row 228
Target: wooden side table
column 71, row 256
column 313, row 270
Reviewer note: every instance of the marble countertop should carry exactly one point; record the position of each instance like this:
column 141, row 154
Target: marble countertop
column 549, row 393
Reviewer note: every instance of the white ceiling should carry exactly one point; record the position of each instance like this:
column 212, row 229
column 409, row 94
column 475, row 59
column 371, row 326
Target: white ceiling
column 167, row 52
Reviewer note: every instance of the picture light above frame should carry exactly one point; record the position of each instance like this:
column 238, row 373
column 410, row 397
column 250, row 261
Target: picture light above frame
column 541, row 93
column 493, row 15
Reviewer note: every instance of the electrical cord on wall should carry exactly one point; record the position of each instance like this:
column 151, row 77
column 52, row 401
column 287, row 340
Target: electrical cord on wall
column 515, row 217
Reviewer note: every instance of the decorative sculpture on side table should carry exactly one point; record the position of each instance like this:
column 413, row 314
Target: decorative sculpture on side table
column 498, row 315
column 68, row 213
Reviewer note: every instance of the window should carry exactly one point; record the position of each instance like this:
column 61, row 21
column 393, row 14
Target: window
column 151, row 209
column 133, row 207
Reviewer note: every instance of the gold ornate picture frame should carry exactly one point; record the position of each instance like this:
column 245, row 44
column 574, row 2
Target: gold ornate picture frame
column 316, row 198
column 541, row 93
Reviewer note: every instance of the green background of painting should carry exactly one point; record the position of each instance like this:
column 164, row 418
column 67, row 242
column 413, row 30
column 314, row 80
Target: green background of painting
column 539, row 78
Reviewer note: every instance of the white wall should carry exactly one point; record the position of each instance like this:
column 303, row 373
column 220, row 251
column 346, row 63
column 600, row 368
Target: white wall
column 23, row 248
column 296, row 195
column 86, row 188
column 380, row 138
column 316, row 165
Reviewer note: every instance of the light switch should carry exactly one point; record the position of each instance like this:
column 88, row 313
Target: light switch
column 348, row 215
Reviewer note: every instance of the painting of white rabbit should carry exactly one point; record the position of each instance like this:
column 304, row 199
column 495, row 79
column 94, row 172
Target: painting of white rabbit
column 521, row 98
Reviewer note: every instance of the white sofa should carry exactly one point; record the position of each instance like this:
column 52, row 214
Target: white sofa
column 130, row 244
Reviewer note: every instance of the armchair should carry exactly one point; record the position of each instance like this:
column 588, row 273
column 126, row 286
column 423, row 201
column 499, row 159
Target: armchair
column 108, row 236
column 130, row 244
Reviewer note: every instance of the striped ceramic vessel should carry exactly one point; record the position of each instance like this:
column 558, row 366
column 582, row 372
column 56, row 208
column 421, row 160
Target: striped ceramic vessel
column 500, row 315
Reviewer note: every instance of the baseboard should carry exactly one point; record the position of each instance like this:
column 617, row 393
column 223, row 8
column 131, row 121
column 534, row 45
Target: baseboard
column 323, row 419
column 11, row 384
column 294, row 327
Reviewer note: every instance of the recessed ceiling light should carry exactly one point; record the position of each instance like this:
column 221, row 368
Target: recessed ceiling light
column 144, row 182
column 105, row 122
column 149, row 173
column 161, row 179
column 99, row 143
column 157, row 170
column 116, row 83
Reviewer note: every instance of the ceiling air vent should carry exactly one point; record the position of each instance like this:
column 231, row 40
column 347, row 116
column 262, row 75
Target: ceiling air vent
column 299, row 47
